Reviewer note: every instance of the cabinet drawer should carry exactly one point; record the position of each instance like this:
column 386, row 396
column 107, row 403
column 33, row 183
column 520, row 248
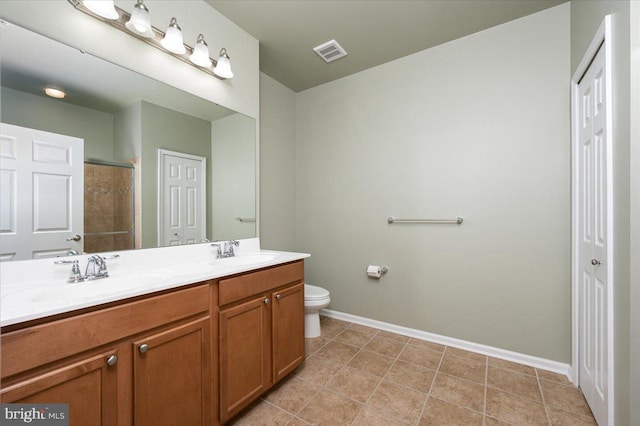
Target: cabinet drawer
column 238, row 288
column 38, row 345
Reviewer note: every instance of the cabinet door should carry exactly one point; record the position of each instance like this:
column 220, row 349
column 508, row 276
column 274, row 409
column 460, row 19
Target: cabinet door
column 89, row 386
column 172, row 376
column 288, row 330
column 245, row 355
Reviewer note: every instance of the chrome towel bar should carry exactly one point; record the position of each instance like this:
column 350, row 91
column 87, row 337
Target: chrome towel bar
column 246, row 219
column 456, row 221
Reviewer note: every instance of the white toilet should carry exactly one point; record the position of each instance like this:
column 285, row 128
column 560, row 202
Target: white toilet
column 315, row 299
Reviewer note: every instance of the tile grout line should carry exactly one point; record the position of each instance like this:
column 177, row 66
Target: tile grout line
column 437, row 371
column 323, row 386
column 384, row 375
column 547, row 411
column 396, row 358
column 320, row 387
column 486, row 384
column 293, row 416
column 424, row 405
column 367, row 373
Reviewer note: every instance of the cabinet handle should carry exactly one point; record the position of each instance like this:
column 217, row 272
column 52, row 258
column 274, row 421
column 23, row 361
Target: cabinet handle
column 112, row 360
column 143, row 348
column 278, row 296
column 266, row 301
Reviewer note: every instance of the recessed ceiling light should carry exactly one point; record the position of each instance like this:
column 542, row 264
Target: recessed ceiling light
column 55, row 93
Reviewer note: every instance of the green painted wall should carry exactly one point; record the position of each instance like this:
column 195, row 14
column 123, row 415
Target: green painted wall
column 477, row 127
column 163, row 128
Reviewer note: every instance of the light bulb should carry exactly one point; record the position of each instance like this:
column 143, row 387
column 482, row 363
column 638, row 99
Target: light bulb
column 54, row 93
column 223, row 69
column 104, row 8
column 200, row 55
column 140, row 21
column 172, row 40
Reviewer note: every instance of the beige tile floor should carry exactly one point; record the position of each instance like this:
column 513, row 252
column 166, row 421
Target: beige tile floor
column 356, row 375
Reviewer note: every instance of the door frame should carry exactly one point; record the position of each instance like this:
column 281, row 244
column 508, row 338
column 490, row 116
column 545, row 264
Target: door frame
column 601, row 38
column 203, row 187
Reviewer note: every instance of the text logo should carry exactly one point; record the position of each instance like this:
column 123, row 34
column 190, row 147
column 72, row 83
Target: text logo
column 35, row 414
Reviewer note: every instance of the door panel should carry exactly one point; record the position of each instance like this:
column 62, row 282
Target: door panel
column 594, row 240
column 42, row 191
column 89, row 386
column 182, row 205
column 288, row 330
column 244, row 349
column 170, row 386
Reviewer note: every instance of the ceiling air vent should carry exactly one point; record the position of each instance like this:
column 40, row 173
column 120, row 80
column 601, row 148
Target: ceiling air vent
column 330, row 51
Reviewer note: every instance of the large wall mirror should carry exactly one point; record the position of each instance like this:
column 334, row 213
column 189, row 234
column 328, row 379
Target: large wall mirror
column 156, row 161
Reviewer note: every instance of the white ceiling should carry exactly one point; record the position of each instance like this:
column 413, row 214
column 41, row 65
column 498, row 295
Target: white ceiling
column 371, row 31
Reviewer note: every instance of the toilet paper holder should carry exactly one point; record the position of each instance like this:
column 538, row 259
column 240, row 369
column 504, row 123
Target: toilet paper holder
column 375, row 271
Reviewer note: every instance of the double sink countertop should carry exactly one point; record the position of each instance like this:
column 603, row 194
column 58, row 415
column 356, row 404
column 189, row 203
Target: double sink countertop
column 35, row 289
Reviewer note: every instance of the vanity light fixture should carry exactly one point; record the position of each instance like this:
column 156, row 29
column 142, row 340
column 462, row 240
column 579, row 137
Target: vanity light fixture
column 223, row 68
column 104, row 8
column 172, row 40
column 138, row 25
column 200, row 55
column 54, row 93
column 140, row 21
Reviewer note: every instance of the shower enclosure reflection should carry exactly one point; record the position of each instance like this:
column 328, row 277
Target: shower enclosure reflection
column 108, row 207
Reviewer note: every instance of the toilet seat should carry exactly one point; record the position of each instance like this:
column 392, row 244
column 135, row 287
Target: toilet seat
column 312, row 292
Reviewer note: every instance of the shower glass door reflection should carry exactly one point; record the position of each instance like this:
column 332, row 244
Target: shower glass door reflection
column 108, row 207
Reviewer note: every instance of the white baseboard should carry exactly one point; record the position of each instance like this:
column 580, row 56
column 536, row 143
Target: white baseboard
column 533, row 361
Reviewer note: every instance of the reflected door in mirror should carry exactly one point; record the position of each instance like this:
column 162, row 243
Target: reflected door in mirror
column 182, row 201
column 41, row 212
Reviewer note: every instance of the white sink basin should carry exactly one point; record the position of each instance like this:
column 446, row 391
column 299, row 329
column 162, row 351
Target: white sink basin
column 87, row 290
column 246, row 259
column 57, row 291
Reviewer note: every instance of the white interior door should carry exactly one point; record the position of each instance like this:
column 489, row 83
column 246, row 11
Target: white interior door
column 593, row 234
column 41, row 191
column 182, row 200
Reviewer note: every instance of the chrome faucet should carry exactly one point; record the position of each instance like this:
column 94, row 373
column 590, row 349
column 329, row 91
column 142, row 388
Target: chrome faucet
column 96, row 268
column 225, row 248
column 228, row 248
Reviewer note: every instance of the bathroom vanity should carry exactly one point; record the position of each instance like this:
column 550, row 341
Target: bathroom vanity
column 195, row 352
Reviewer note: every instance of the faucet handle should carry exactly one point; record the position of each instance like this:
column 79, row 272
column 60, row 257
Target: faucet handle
column 102, row 268
column 228, row 248
column 219, row 250
column 75, row 276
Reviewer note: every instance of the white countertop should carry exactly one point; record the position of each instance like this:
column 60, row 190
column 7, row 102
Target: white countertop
column 37, row 288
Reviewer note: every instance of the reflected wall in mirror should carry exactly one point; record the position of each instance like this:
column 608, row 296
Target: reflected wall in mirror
column 125, row 118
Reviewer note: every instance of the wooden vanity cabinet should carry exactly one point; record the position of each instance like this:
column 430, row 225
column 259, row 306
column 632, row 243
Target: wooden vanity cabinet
column 287, row 330
column 192, row 356
column 261, row 333
column 171, row 371
column 96, row 363
column 89, row 385
column 244, row 354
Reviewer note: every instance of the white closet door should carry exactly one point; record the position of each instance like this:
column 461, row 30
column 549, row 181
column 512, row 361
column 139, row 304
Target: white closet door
column 182, row 202
column 594, row 239
column 42, row 193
